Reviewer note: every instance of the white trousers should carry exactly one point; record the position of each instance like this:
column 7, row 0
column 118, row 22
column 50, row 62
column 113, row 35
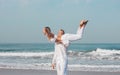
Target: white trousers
column 73, row 37
column 60, row 58
column 61, row 67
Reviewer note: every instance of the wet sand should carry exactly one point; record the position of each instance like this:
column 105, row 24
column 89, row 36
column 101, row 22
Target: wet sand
column 48, row 72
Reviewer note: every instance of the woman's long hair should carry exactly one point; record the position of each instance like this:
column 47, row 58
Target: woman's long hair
column 48, row 31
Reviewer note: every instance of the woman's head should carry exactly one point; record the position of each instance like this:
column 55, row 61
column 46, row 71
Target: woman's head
column 46, row 30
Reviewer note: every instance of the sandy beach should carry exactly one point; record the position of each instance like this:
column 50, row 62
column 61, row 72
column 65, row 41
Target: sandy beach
column 48, row 72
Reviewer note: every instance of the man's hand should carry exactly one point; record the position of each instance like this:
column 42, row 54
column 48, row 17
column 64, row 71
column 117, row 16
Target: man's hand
column 53, row 66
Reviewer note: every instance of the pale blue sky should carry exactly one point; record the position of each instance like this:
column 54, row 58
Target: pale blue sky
column 21, row 21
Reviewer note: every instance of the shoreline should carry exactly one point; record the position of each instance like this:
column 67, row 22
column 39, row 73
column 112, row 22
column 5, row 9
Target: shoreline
column 50, row 72
column 83, row 68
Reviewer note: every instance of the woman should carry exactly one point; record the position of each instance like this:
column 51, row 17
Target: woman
column 62, row 41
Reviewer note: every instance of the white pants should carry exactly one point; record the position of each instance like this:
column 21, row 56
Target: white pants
column 61, row 66
column 73, row 37
column 66, row 38
column 60, row 58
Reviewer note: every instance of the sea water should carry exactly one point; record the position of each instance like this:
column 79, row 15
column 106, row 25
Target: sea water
column 81, row 57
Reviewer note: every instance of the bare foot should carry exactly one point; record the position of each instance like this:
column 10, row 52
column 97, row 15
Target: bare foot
column 83, row 23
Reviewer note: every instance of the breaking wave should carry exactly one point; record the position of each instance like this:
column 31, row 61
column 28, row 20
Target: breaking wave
column 99, row 54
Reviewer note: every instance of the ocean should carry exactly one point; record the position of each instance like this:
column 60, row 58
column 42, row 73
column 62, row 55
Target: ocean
column 81, row 57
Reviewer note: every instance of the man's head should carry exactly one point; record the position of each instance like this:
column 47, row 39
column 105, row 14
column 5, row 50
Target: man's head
column 61, row 32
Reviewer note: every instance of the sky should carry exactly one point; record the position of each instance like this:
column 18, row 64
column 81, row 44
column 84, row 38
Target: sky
column 21, row 21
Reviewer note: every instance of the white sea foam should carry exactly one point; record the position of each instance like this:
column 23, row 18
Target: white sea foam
column 107, row 68
column 99, row 54
column 27, row 54
column 47, row 66
column 103, row 52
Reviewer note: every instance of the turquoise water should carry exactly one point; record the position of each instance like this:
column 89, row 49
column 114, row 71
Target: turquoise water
column 35, row 56
column 43, row 47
